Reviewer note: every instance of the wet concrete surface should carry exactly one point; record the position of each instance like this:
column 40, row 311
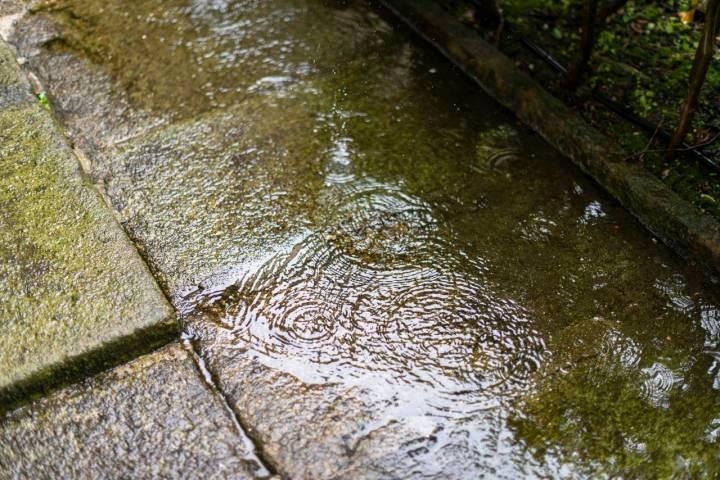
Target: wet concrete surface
column 385, row 274
column 151, row 418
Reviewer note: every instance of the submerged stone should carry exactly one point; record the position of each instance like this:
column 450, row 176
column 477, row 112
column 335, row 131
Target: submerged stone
column 387, row 276
column 74, row 294
column 151, row 418
column 167, row 60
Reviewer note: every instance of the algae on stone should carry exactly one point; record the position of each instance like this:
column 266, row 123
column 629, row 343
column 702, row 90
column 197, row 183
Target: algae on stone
column 74, row 293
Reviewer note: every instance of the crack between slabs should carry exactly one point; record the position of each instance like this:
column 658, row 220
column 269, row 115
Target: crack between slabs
column 264, row 467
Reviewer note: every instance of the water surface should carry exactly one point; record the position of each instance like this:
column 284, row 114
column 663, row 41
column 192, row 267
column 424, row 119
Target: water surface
column 328, row 198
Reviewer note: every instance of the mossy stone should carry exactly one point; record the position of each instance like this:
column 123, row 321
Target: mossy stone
column 75, row 295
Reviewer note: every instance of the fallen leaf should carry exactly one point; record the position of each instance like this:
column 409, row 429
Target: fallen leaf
column 468, row 17
column 707, row 199
column 687, row 17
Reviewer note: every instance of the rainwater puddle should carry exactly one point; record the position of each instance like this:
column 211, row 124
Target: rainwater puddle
column 331, row 200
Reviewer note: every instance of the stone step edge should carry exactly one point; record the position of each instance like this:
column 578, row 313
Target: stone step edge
column 15, row 92
column 691, row 233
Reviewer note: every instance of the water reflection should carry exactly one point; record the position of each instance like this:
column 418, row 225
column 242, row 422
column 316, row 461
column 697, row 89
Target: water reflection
column 355, row 213
column 382, row 293
column 182, row 57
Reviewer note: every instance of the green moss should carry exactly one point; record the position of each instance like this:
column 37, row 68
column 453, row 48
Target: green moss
column 63, row 297
column 598, row 416
column 44, row 101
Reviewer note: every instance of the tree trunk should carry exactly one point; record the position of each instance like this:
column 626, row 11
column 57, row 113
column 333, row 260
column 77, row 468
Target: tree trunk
column 587, row 38
column 703, row 57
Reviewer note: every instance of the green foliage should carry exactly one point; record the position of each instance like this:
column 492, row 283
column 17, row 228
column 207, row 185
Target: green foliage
column 43, row 100
column 642, row 58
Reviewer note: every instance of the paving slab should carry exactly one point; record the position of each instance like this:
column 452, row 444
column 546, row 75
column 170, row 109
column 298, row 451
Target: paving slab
column 14, row 87
column 312, row 431
column 385, row 274
column 306, row 429
column 151, row 418
column 177, row 47
column 75, row 296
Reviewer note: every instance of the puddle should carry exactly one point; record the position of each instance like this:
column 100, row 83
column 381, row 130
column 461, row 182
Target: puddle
column 334, row 202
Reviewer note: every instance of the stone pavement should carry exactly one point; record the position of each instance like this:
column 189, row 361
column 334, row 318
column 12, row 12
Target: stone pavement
column 373, row 268
column 152, row 418
column 75, row 297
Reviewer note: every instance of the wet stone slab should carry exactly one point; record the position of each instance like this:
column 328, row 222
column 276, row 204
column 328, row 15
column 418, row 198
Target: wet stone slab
column 14, row 87
column 151, row 418
column 274, row 296
column 388, row 277
column 74, row 294
column 187, row 57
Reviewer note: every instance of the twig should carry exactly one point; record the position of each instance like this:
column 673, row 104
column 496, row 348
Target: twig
column 680, row 150
column 647, row 147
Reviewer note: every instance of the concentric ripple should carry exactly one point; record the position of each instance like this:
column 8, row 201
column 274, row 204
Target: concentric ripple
column 497, row 150
column 658, row 383
column 382, row 291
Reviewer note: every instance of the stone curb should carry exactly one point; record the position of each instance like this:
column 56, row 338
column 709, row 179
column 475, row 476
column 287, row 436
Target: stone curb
column 692, row 234
column 75, row 295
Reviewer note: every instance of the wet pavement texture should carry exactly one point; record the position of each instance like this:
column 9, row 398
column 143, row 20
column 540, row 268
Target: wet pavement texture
column 386, row 275
column 151, row 418
column 74, row 293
